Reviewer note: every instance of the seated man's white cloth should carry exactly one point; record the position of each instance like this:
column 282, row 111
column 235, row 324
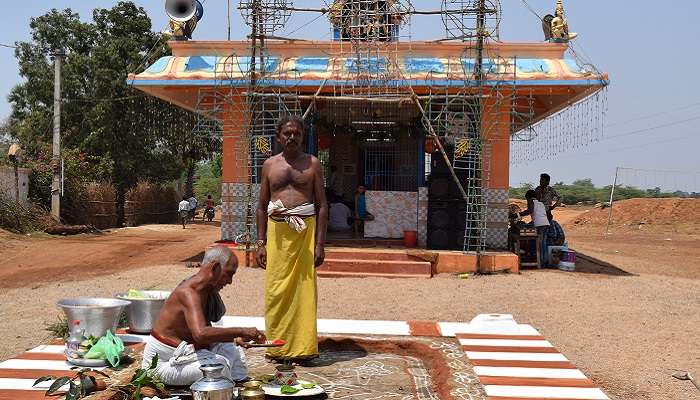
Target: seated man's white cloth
column 180, row 366
column 338, row 215
column 293, row 216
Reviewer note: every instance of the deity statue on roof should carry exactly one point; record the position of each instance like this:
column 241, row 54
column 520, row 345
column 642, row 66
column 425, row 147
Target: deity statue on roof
column 367, row 20
column 556, row 27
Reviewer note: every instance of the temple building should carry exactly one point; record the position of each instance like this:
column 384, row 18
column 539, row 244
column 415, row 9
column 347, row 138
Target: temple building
column 376, row 103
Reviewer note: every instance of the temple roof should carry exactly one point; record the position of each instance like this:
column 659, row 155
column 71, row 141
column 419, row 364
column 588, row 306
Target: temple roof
column 208, row 70
column 308, row 63
column 540, row 68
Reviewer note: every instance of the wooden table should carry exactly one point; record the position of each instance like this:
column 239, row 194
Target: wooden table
column 519, row 239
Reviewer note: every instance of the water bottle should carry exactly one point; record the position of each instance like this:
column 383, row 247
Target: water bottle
column 74, row 340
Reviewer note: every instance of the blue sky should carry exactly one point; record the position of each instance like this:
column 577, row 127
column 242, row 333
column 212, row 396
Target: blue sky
column 650, row 52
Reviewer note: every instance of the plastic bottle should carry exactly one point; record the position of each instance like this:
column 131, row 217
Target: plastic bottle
column 76, row 337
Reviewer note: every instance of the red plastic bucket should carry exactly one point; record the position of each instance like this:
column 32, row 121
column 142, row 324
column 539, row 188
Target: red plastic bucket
column 410, row 239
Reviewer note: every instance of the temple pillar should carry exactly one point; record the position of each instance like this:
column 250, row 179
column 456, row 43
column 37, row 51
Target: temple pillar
column 235, row 174
column 495, row 128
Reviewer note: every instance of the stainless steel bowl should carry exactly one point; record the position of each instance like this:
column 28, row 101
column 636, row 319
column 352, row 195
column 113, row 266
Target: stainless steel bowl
column 96, row 316
column 142, row 313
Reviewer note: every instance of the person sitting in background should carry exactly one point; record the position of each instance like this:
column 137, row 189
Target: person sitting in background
column 209, row 205
column 183, row 336
column 338, row 216
column 183, row 210
column 537, row 211
column 361, row 213
column 335, row 186
column 555, row 234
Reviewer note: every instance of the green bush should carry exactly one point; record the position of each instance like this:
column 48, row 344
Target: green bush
column 584, row 191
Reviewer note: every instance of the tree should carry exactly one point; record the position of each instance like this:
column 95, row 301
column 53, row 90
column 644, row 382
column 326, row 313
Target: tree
column 102, row 116
column 519, row 192
column 5, row 141
column 209, row 180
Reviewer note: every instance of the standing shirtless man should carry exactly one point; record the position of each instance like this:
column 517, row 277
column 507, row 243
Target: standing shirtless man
column 292, row 216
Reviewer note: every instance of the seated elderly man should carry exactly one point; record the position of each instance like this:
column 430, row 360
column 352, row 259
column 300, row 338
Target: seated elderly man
column 183, row 337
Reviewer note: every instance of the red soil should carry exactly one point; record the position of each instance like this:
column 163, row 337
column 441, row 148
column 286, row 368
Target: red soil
column 636, row 212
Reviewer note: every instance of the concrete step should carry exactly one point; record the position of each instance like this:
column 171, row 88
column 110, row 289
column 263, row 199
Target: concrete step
column 366, row 243
column 334, row 267
column 369, row 255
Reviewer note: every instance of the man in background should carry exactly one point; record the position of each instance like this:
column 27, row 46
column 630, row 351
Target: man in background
column 537, row 211
column 547, row 195
column 183, row 210
column 193, row 206
column 338, row 216
column 335, row 186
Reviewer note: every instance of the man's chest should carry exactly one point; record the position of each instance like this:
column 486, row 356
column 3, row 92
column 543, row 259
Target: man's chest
column 545, row 193
column 286, row 175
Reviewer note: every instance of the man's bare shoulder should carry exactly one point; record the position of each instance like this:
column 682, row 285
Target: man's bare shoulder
column 272, row 160
column 183, row 292
column 315, row 162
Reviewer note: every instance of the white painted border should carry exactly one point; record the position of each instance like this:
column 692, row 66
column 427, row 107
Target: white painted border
column 545, row 392
column 330, row 326
column 52, row 365
column 26, row 384
column 505, row 343
column 49, row 349
column 488, row 355
column 518, row 372
column 393, row 328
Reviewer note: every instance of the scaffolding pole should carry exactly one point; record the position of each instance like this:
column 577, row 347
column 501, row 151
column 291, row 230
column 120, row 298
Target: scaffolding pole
column 612, row 194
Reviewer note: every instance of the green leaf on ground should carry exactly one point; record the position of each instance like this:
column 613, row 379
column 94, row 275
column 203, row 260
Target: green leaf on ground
column 43, row 379
column 58, row 384
column 286, row 389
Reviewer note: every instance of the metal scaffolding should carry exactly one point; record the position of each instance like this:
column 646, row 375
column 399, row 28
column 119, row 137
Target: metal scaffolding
column 468, row 106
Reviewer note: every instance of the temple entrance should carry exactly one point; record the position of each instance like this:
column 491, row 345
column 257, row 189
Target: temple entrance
column 377, row 146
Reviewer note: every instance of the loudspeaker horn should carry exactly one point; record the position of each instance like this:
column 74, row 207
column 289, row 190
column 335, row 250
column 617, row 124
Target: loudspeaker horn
column 181, row 10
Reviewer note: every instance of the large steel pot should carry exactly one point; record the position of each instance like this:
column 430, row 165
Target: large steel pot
column 213, row 385
column 143, row 312
column 96, row 316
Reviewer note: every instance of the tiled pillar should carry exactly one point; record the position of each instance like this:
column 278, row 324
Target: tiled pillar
column 497, row 219
column 235, row 171
column 423, row 217
column 496, row 128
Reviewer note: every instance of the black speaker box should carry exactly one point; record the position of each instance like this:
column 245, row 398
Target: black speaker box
column 443, row 187
column 446, row 223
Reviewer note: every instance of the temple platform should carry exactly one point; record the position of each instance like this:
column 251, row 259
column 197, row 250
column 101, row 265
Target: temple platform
column 493, row 357
column 398, row 262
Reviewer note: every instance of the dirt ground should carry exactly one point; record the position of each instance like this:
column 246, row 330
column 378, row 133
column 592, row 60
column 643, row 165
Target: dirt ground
column 628, row 328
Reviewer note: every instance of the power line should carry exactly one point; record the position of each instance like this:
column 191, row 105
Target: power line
column 531, row 10
column 642, row 145
column 305, row 25
column 661, row 170
column 8, row 46
column 638, row 131
column 654, row 115
column 107, row 99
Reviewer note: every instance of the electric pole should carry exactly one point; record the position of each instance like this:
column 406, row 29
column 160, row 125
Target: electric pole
column 56, row 157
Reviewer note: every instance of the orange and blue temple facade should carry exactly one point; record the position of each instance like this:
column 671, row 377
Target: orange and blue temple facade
column 404, row 189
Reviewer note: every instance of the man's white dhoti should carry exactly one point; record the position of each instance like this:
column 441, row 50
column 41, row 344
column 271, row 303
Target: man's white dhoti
column 180, row 366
